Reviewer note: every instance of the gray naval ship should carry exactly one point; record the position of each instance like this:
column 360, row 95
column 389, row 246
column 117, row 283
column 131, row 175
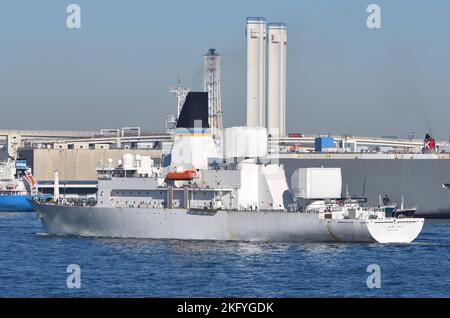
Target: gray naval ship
column 207, row 195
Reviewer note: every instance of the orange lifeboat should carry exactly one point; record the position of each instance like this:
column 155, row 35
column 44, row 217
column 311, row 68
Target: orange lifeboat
column 181, row 176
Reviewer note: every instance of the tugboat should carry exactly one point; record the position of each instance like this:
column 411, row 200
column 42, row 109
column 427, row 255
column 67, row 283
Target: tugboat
column 17, row 186
column 229, row 195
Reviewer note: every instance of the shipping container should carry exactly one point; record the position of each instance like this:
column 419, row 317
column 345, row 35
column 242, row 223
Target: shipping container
column 322, row 143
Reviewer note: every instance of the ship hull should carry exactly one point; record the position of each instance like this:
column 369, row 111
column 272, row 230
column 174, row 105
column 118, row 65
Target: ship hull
column 221, row 225
column 15, row 203
column 419, row 181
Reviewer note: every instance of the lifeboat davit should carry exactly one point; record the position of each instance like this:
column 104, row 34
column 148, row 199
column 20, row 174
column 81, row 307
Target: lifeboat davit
column 181, row 176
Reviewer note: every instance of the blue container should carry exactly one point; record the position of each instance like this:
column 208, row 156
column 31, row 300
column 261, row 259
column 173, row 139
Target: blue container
column 322, row 143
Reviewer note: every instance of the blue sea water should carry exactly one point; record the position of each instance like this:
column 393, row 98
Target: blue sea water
column 34, row 265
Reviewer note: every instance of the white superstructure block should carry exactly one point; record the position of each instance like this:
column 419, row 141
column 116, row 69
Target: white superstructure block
column 245, row 142
column 262, row 187
column 256, row 71
column 192, row 151
column 277, row 41
column 317, row 183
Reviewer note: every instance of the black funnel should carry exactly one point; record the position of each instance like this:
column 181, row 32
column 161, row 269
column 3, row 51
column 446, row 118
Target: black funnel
column 195, row 108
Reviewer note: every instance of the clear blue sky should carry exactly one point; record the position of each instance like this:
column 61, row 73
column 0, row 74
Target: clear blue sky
column 116, row 70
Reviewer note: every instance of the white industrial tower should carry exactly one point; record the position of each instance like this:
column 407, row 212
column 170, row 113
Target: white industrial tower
column 211, row 84
column 276, row 73
column 256, row 71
